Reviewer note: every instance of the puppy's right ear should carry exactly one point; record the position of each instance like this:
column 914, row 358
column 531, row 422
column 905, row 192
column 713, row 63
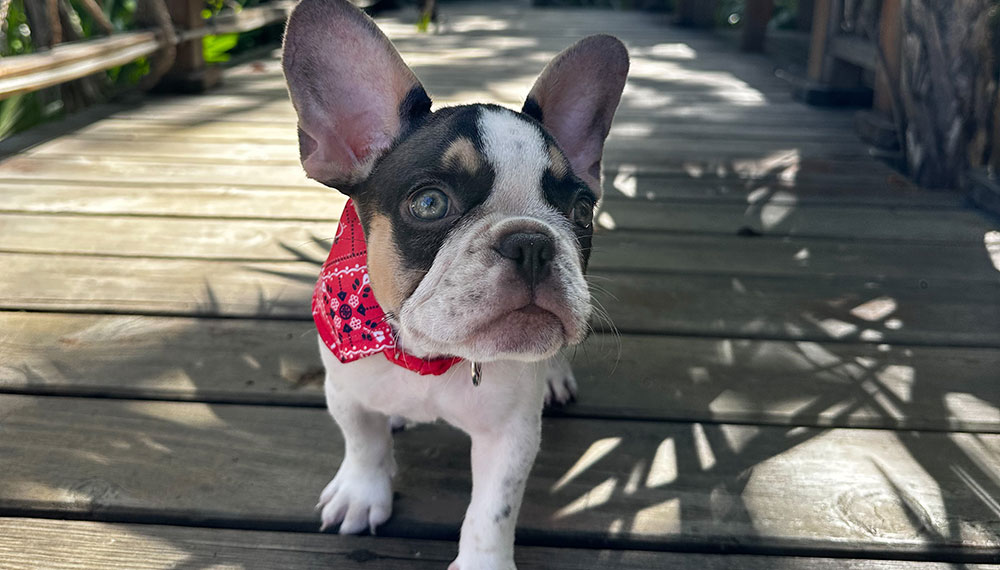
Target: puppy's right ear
column 351, row 90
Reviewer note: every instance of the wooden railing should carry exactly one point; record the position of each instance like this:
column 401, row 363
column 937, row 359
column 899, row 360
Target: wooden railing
column 75, row 60
column 857, row 44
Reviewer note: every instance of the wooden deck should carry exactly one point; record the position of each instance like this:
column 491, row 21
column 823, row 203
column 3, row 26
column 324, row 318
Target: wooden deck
column 807, row 375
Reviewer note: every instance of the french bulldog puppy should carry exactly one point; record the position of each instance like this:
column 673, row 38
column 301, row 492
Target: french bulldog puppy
column 457, row 273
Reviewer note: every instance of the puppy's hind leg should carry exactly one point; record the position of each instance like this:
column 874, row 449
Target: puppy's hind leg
column 360, row 495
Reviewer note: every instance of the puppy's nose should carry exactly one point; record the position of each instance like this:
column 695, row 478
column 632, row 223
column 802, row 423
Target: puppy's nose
column 531, row 253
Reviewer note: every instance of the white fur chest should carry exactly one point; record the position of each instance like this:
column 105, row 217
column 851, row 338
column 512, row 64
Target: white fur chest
column 382, row 386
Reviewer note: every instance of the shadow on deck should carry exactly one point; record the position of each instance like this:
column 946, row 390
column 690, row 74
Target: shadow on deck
column 803, row 360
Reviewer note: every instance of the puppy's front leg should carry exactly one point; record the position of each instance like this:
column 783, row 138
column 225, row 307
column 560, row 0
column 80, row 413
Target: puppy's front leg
column 501, row 459
column 360, row 495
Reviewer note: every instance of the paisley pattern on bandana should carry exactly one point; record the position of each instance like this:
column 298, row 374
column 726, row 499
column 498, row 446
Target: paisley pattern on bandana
column 348, row 318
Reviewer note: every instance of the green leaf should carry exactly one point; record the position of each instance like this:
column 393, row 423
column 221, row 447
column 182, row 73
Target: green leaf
column 215, row 48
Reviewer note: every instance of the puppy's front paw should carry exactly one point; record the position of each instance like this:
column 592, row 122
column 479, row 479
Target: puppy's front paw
column 356, row 499
column 482, row 563
column 561, row 384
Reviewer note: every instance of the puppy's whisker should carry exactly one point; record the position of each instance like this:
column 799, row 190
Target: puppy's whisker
column 600, row 289
column 601, row 314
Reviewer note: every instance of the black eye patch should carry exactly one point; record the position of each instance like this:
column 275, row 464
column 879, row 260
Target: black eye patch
column 563, row 193
column 417, row 161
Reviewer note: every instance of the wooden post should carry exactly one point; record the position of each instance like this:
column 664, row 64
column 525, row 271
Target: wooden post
column 824, row 67
column 887, row 79
column 695, row 13
column 189, row 73
column 756, row 15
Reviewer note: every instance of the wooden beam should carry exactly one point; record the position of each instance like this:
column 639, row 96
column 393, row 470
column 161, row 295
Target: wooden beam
column 22, row 74
column 756, row 16
column 70, row 53
column 820, row 31
column 890, row 37
column 66, row 62
column 854, row 50
column 237, row 22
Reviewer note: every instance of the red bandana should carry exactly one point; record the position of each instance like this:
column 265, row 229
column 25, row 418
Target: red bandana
column 348, row 318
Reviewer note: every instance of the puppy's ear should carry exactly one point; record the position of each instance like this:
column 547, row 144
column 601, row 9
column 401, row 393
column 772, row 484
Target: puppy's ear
column 353, row 94
column 575, row 98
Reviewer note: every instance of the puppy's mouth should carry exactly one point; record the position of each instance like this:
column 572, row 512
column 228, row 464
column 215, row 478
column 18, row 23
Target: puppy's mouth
column 528, row 329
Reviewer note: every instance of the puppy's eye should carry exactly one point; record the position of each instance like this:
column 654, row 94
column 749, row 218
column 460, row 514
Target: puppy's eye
column 583, row 212
column 429, row 204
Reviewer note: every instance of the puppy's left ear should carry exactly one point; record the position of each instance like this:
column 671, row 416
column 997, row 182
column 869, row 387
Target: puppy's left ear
column 575, row 98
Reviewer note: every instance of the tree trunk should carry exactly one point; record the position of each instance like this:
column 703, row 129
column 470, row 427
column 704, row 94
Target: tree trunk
column 950, row 64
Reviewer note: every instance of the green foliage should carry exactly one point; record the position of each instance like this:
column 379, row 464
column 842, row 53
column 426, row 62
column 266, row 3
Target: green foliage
column 424, row 22
column 19, row 112
column 17, row 40
column 215, row 48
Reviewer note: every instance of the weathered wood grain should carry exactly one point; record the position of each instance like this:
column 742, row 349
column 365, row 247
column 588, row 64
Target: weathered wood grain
column 272, row 108
column 653, row 377
column 600, row 482
column 783, row 219
column 282, row 131
column 243, row 198
column 41, row 544
column 844, row 308
column 645, row 150
column 194, row 170
column 290, row 240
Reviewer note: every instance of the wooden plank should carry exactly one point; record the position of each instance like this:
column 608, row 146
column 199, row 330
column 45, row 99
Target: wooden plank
column 781, row 169
column 283, row 132
column 812, row 184
column 240, row 195
column 41, row 544
column 297, row 239
column 269, row 107
column 703, row 486
column 784, row 219
column 667, row 378
column 773, row 172
column 631, row 150
column 818, row 308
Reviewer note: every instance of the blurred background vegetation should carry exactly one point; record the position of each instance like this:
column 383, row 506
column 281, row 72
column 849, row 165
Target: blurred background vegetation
column 23, row 111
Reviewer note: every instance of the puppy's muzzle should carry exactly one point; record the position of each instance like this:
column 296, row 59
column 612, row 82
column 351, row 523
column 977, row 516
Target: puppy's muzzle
column 531, row 252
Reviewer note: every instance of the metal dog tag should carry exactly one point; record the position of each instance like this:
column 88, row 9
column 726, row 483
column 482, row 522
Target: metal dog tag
column 477, row 373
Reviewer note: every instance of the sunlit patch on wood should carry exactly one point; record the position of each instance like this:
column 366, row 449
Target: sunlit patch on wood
column 597, row 451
